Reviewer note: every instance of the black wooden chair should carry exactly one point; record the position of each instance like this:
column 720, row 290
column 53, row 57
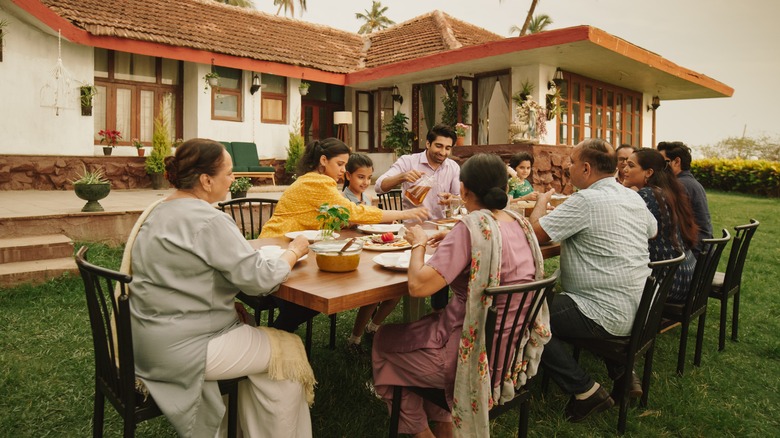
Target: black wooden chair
column 109, row 317
column 728, row 284
column 391, row 200
column 250, row 214
column 695, row 306
column 499, row 356
column 627, row 349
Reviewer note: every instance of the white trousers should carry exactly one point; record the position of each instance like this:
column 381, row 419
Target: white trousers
column 266, row 408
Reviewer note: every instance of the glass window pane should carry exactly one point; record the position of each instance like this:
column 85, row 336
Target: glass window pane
column 599, row 96
column 587, row 132
column 629, row 107
column 229, row 77
column 575, row 93
column 132, row 67
column 170, row 72
column 146, row 118
column 272, row 109
column 362, row 140
column 335, row 94
column 588, row 94
column 575, row 136
column 619, row 102
column 99, row 110
column 618, row 125
column 363, row 101
column 617, row 138
column 124, row 98
column 101, row 63
column 317, row 91
column 363, row 121
column 225, row 105
column 588, row 116
column 274, row 84
column 562, row 134
column 575, row 114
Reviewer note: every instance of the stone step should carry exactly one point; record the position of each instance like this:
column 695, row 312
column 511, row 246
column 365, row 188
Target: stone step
column 35, row 271
column 25, row 249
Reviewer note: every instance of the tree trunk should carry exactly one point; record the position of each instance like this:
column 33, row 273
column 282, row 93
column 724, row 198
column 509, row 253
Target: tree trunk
column 528, row 18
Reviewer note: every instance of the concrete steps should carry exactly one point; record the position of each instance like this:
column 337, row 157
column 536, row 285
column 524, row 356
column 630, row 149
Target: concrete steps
column 35, row 259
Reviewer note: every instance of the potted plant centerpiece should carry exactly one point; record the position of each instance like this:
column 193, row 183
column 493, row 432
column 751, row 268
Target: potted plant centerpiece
column 239, row 187
column 304, row 88
column 110, row 137
column 460, row 130
column 91, row 186
column 161, row 148
column 332, row 219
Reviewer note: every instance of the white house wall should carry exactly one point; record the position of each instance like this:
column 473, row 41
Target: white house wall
column 29, row 60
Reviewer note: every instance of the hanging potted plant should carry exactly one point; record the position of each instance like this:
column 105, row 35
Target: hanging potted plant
column 91, row 186
column 239, row 187
column 87, row 92
column 304, row 88
column 110, row 137
column 526, row 88
column 211, row 79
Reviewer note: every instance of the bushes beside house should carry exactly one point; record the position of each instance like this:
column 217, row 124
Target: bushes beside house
column 758, row 177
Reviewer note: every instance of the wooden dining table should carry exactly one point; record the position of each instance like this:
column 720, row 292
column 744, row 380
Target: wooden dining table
column 330, row 292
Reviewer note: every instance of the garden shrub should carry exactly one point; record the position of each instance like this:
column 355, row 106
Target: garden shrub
column 758, row 177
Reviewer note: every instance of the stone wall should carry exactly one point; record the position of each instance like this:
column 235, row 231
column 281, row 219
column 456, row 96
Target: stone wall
column 47, row 172
column 549, row 162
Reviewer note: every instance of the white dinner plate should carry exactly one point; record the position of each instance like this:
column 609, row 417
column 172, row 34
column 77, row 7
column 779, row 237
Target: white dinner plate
column 369, row 245
column 398, row 261
column 380, row 228
column 312, row 235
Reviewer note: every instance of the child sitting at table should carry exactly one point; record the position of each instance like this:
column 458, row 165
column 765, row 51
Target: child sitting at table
column 520, row 189
column 357, row 178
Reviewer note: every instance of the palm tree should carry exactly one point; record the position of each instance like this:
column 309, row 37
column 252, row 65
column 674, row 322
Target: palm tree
column 239, row 3
column 528, row 18
column 375, row 19
column 539, row 23
column 289, row 5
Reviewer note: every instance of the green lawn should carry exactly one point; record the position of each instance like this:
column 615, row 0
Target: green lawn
column 46, row 361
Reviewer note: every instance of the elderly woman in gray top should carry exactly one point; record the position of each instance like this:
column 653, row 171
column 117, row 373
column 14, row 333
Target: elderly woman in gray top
column 188, row 262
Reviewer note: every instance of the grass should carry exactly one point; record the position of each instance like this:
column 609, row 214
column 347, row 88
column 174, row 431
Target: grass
column 47, row 390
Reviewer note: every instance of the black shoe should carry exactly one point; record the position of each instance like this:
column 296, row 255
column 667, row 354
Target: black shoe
column 634, row 391
column 578, row 410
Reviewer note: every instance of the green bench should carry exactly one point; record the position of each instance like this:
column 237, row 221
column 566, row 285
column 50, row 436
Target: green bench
column 246, row 162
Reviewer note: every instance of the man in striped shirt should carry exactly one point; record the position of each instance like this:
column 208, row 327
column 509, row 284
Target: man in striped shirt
column 603, row 230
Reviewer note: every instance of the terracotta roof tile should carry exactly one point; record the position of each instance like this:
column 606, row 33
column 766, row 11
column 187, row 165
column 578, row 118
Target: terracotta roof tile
column 427, row 34
column 247, row 33
column 215, row 27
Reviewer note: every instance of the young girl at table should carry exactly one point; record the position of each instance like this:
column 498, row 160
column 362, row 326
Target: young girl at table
column 520, row 189
column 487, row 246
column 357, row 178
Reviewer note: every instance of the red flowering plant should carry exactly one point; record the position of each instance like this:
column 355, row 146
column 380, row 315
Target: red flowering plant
column 109, row 136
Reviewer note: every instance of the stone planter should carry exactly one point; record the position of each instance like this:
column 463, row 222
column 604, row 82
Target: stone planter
column 158, row 181
column 107, row 150
column 92, row 193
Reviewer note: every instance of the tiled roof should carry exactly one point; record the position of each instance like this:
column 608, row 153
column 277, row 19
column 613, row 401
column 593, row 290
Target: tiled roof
column 427, row 34
column 215, row 27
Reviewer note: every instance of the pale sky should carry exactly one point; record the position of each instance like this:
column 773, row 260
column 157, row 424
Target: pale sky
column 737, row 43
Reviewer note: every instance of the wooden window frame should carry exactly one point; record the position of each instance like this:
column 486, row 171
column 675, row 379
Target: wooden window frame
column 617, row 92
column 160, row 91
column 275, row 96
column 367, row 129
column 237, row 92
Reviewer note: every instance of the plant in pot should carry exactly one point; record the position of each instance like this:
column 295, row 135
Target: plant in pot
column 526, row 88
column 303, row 88
column 332, row 219
column 449, row 115
column 161, row 148
column 87, row 92
column 91, row 186
column 110, row 137
column 211, row 79
column 239, row 187
column 460, row 130
column 295, row 148
column 399, row 139
column 139, row 147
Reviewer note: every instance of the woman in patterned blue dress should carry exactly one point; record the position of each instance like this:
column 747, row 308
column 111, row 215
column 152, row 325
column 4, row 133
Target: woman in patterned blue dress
column 648, row 172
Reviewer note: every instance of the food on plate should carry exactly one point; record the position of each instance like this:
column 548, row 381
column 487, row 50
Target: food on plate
column 376, row 241
column 383, row 238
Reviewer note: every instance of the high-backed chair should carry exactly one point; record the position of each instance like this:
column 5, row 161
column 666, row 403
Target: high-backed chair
column 250, row 214
column 246, row 162
column 501, row 355
column 391, row 200
column 112, row 338
column 627, row 349
column 728, row 284
column 695, row 306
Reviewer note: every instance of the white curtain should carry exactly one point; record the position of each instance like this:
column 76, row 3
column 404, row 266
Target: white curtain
column 485, row 88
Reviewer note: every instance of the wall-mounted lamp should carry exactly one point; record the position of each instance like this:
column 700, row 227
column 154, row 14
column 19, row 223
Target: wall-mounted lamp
column 656, row 103
column 256, row 85
column 342, row 118
column 557, row 78
column 397, row 95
